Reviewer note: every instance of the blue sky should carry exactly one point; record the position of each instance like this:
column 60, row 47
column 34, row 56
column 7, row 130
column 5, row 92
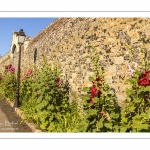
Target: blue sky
column 31, row 27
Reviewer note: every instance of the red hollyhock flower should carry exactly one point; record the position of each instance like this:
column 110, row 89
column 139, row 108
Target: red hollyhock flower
column 139, row 82
column 144, row 75
column 93, row 91
column 98, row 79
column 92, row 96
column 91, row 101
column 147, row 71
column 145, row 81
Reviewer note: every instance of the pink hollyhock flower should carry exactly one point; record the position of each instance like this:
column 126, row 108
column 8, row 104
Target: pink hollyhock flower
column 9, row 67
column 29, row 71
column 13, row 70
column 130, row 71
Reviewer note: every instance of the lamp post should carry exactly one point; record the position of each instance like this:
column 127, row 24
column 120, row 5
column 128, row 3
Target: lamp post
column 20, row 40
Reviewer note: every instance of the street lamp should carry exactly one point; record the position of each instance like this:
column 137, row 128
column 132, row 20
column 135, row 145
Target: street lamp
column 20, row 41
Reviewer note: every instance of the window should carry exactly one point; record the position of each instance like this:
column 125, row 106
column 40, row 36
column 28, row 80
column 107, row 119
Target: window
column 35, row 54
column 14, row 57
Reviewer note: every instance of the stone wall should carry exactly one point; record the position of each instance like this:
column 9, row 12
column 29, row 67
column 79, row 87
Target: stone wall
column 66, row 41
column 5, row 60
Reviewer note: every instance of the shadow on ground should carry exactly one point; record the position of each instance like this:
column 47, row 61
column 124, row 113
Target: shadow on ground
column 9, row 120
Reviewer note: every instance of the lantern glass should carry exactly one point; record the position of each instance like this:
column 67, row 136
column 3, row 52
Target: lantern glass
column 21, row 37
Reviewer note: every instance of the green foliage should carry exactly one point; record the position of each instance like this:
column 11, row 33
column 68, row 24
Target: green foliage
column 45, row 101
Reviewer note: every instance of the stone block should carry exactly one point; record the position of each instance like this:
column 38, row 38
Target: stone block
column 111, row 70
column 119, row 60
column 108, row 79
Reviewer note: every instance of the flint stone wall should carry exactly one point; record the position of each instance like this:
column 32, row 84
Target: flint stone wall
column 66, row 41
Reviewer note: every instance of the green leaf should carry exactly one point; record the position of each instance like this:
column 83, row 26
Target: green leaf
column 139, row 126
column 114, row 115
column 92, row 122
column 99, row 124
column 131, row 108
column 44, row 125
column 95, row 99
column 123, row 129
column 91, row 79
column 124, row 120
column 86, row 89
column 116, row 128
column 92, row 111
column 108, row 125
column 128, row 92
column 144, row 115
column 147, row 88
column 85, row 97
column 137, row 100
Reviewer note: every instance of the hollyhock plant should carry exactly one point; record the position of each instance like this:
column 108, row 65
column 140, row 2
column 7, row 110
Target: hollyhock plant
column 135, row 114
column 8, row 84
column 99, row 101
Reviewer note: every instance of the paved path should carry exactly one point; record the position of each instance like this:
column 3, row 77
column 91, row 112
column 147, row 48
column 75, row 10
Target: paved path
column 10, row 121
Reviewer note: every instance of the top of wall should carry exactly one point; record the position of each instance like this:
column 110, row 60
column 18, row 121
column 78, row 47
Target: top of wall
column 54, row 26
column 4, row 57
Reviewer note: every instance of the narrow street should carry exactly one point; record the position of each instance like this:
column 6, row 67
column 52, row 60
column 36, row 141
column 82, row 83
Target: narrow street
column 10, row 121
